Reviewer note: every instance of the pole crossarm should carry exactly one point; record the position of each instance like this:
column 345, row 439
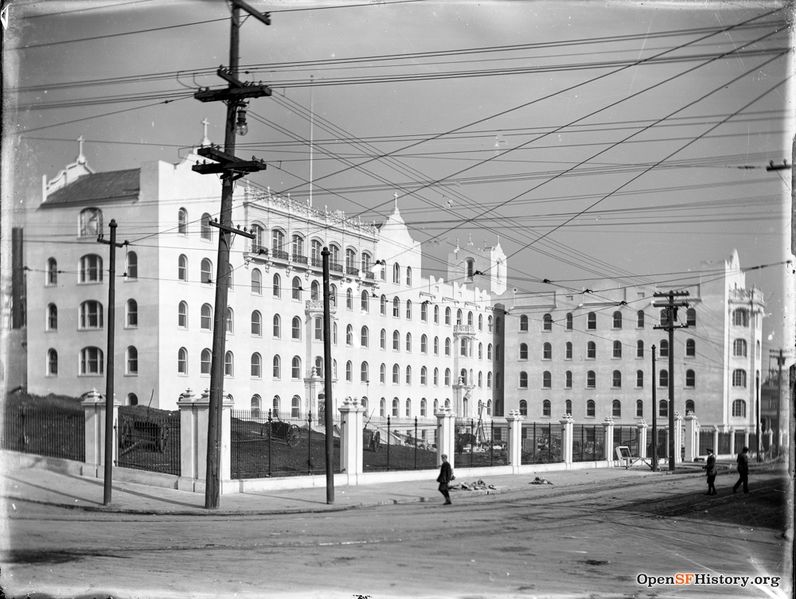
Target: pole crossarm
column 234, row 230
column 226, row 163
column 263, row 17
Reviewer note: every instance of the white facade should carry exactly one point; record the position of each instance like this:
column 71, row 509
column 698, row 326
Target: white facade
column 406, row 343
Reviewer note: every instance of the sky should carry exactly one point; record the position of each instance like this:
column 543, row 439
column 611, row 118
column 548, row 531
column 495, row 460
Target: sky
column 611, row 140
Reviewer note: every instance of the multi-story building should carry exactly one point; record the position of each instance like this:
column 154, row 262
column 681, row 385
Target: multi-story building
column 589, row 352
column 406, row 344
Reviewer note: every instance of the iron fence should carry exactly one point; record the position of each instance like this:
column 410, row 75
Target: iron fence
column 541, row 443
column 662, row 444
column 399, row 444
column 57, row 431
column 724, row 444
column 478, row 444
column 627, row 436
column 265, row 445
column 706, row 441
column 149, row 439
column 740, row 437
column 588, row 442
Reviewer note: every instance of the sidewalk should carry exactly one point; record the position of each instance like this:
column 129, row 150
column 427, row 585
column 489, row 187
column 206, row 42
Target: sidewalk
column 22, row 483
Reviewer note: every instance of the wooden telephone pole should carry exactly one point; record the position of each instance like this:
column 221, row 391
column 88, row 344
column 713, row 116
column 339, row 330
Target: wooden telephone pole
column 670, row 307
column 231, row 169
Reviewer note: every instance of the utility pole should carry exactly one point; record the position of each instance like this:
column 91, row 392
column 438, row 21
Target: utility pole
column 671, row 316
column 231, row 169
column 780, row 363
column 110, row 362
column 654, row 418
column 327, row 377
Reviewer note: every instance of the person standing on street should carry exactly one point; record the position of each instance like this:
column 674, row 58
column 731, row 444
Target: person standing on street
column 710, row 468
column 743, row 471
column 444, row 478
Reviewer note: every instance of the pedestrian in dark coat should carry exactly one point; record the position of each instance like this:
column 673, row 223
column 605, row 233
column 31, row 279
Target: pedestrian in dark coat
column 743, row 471
column 444, row 478
column 710, row 469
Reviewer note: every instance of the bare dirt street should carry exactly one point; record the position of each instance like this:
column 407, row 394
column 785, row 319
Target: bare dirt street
column 589, row 540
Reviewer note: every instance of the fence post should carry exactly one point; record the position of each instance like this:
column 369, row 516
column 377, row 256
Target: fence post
column 608, row 435
column 678, row 438
column 445, row 435
column 691, row 439
column 94, row 413
column 642, row 438
column 351, row 426
column 194, row 416
column 566, row 439
column 732, row 443
column 515, row 440
column 716, row 449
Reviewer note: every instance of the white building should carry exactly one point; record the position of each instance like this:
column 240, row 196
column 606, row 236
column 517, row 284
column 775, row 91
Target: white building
column 588, row 353
column 405, row 343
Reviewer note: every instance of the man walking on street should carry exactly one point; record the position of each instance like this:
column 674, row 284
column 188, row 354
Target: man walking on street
column 445, row 477
column 743, row 471
column 710, row 468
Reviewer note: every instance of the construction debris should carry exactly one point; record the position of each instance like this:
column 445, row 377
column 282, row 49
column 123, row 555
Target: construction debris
column 479, row 485
column 540, row 481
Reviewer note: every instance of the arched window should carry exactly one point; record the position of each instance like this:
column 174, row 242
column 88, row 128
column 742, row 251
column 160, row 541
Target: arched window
column 90, row 222
column 349, row 299
column 616, row 379
column 488, row 380
column 349, row 371
column 132, row 399
column 364, row 301
column 523, row 407
column 423, row 344
column 590, row 411
column 182, row 267
column 690, row 317
column 296, row 289
column 617, row 319
column 278, row 249
column 739, row 408
column 206, row 317
column 408, row 342
column 182, row 221
column 639, row 379
column 739, row 348
column 616, row 408
column 297, row 249
column 182, row 361
column 205, row 230
column 230, row 321
column 408, row 276
column 206, row 271
column 395, row 407
column 591, row 321
column 408, row 309
column 639, row 349
column 591, row 350
column 523, row 380
column 295, row 368
column 383, row 305
column 639, row 408
column 569, row 321
column 591, row 379
column 447, row 315
column 436, row 376
column 663, row 408
column 547, row 322
column 276, row 286
column 276, row 369
column 276, row 326
column 447, row 346
column 396, row 340
column 131, row 266
column 523, row 351
column 276, row 406
column 423, row 375
column 132, row 313
column 523, row 323
column 568, row 379
column 52, row 317
column 617, row 349
column 396, row 307
column 52, row 362
column 568, row 407
column 52, row 272
column 204, row 361
column 546, row 410
column 295, row 406
column 396, row 273
column 436, row 346
column 408, row 377
column 316, row 256
column 547, row 351
column 364, row 335
column 90, row 269
column 92, row 361
column 547, row 379
column 396, row 374
column 423, row 407
column 91, row 315
column 739, row 377
column 568, row 350
column 257, row 281
column 640, row 319
column 664, row 348
column 295, row 328
column 229, row 364
column 383, row 373
column 256, row 365
column 364, row 373
column 256, row 323
column 447, row 379
column 690, row 378
column 333, row 295
column 255, row 405
column 436, row 314
column 663, row 378
column 689, row 406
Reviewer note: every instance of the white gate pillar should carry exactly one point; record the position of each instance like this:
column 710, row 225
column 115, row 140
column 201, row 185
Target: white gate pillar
column 566, row 439
column 691, row 437
column 351, row 444
column 446, row 434
column 94, row 414
column 642, row 438
column 608, row 440
column 515, row 439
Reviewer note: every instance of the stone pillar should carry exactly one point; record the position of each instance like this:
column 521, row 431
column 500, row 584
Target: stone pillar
column 515, row 439
column 642, row 438
column 446, row 433
column 351, row 444
column 732, row 443
column 566, row 439
column 678, row 438
column 608, row 439
column 194, row 414
column 691, row 437
column 716, row 440
column 745, row 442
column 94, row 413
